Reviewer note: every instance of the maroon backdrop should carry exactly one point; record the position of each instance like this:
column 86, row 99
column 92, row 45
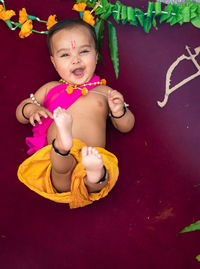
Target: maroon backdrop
column 138, row 224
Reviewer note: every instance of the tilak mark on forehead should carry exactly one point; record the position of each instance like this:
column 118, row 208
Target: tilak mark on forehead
column 73, row 44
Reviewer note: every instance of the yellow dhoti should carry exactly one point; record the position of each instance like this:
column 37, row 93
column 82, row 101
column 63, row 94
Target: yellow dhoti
column 35, row 172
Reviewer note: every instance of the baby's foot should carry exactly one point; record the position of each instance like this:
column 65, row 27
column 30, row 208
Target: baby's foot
column 93, row 163
column 63, row 121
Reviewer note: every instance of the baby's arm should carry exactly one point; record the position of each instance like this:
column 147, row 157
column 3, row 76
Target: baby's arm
column 32, row 112
column 121, row 117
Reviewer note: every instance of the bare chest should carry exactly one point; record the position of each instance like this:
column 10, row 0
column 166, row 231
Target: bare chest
column 94, row 103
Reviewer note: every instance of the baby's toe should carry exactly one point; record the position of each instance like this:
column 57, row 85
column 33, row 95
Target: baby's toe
column 84, row 151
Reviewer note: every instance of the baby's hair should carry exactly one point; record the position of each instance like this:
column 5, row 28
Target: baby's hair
column 68, row 24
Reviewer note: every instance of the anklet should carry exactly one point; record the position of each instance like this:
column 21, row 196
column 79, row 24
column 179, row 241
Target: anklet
column 23, row 110
column 105, row 176
column 58, row 152
column 125, row 110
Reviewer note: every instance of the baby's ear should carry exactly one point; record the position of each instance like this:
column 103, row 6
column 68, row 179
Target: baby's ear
column 97, row 56
column 53, row 62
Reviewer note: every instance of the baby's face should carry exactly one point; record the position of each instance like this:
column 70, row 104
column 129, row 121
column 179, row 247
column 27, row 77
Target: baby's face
column 74, row 55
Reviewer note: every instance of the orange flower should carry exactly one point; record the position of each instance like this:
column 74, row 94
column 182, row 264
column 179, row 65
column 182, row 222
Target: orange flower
column 1, row 8
column 87, row 17
column 103, row 81
column 51, row 21
column 70, row 89
column 23, row 16
column 26, row 29
column 84, row 91
column 6, row 14
column 79, row 7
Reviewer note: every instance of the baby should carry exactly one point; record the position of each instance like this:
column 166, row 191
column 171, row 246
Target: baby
column 70, row 164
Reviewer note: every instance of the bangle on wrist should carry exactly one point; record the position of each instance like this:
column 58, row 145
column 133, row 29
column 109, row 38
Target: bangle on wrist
column 23, row 110
column 125, row 110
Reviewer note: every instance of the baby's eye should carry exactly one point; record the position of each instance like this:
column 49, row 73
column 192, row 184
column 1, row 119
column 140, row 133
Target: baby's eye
column 64, row 55
column 84, row 51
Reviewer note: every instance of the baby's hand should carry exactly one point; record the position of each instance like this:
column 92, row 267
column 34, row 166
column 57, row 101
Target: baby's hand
column 37, row 113
column 115, row 102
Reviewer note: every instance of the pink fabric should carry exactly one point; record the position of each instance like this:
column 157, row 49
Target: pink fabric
column 56, row 97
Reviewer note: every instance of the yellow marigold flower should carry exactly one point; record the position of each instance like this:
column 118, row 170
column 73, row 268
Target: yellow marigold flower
column 26, row 29
column 87, row 17
column 70, row 89
column 6, row 14
column 84, row 91
column 23, row 16
column 103, row 81
column 51, row 21
column 79, row 7
column 1, row 8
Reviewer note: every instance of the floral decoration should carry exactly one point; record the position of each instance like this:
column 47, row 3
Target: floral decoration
column 97, row 12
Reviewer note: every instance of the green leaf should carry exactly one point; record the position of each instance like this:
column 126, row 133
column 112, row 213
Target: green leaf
column 107, row 12
column 186, row 14
column 99, row 28
column 157, row 8
column 150, row 9
column 192, row 227
column 140, row 16
column 117, row 11
column 147, row 25
column 165, row 16
column 89, row 3
column 154, row 23
column 124, row 14
column 198, row 258
column 79, row 1
column 102, row 7
column 113, row 47
column 131, row 16
column 196, row 22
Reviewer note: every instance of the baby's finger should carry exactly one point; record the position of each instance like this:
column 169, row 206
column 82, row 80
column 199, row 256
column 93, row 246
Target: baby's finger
column 49, row 114
column 31, row 120
column 43, row 114
column 116, row 94
column 37, row 118
column 117, row 101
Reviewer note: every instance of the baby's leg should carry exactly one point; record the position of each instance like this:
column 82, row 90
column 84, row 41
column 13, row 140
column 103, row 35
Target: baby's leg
column 93, row 163
column 62, row 164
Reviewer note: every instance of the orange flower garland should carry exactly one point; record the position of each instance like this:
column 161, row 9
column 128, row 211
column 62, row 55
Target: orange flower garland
column 26, row 29
column 88, row 17
column 51, row 21
column 84, row 91
column 6, row 14
column 79, row 7
column 103, row 81
column 23, row 16
column 70, row 89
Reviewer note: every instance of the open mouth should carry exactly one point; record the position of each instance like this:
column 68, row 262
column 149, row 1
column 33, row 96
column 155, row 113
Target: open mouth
column 78, row 72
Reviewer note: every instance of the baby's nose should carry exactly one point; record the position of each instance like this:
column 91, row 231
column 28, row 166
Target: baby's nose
column 75, row 59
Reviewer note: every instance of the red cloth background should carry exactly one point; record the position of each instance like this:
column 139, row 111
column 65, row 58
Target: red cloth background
column 138, row 224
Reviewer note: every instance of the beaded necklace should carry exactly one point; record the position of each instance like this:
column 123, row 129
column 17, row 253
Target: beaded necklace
column 82, row 88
